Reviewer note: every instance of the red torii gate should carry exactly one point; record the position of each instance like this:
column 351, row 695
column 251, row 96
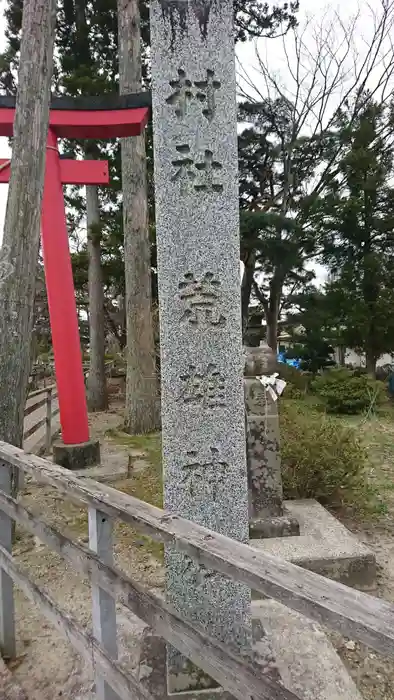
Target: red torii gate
column 74, row 118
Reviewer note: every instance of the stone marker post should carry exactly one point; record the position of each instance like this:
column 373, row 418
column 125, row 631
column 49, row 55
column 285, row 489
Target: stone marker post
column 268, row 517
column 203, row 414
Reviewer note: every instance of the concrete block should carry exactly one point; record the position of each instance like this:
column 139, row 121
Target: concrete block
column 75, row 457
column 305, row 658
column 280, row 526
column 324, row 546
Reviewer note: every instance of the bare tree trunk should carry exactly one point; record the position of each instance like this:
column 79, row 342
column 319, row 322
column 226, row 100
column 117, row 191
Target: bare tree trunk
column 370, row 362
column 272, row 332
column 19, row 253
column 97, row 383
column 341, row 355
column 142, row 414
column 249, row 261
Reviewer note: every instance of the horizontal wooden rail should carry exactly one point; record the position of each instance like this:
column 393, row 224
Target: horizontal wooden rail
column 33, row 407
column 236, row 676
column 34, row 428
column 350, row 612
column 124, row 684
column 37, row 392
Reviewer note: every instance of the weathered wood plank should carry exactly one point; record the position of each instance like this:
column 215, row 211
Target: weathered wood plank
column 34, row 428
column 37, row 392
column 103, row 603
column 352, row 613
column 34, row 406
column 213, row 657
column 126, row 686
column 48, row 421
column 7, row 613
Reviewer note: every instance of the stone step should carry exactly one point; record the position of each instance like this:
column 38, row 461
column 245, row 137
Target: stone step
column 306, row 659
column 324, row 546
column 307, row 662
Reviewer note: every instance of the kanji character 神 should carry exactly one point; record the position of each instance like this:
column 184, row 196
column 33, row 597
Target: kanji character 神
column 212, row 472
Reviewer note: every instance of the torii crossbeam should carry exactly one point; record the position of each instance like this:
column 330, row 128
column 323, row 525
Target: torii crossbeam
column 74, row 118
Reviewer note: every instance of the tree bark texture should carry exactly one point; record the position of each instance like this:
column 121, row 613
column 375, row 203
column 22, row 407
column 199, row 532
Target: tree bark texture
column 142, row 408
column 249, row 261
column 19, row 253
column 370, row 362
column 272, row 332
column 97, row 383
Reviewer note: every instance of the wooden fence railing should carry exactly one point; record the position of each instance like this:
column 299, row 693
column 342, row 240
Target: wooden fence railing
column 352, row 613
column 51, row 411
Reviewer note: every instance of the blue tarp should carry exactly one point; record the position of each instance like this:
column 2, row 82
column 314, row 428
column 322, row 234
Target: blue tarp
column 293, row 362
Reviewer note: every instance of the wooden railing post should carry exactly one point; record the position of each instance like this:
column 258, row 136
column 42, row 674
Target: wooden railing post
column 7, row 613
column 103, row 604
column 48, row 422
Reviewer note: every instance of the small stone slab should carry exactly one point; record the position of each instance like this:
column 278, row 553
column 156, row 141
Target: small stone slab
column 306, row 659
column 103, row 473
column 324, row 546
column 280, row 526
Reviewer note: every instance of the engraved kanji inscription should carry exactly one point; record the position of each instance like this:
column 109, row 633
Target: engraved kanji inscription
column 182, row 93
column 202, row 175
column 206, row 387
column 185, row 173
column 201, row 297
column 207, row 168
column 210, row 472
column 206, row 94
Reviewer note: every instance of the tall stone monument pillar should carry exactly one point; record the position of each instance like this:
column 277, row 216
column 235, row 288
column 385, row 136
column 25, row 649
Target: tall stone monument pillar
column 203, row 413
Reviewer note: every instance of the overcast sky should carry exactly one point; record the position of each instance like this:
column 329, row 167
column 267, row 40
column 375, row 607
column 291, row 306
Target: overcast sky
column 272, row 49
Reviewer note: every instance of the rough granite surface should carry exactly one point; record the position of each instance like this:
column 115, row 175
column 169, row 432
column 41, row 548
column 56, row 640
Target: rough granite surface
column 196, row 184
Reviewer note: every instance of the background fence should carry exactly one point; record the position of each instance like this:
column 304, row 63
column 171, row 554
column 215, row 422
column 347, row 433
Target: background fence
column 36, row 401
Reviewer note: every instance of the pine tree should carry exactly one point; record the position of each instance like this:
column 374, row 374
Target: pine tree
column 357, row 220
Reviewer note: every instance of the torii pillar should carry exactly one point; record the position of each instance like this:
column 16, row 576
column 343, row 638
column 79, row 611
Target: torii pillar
column 84, row 118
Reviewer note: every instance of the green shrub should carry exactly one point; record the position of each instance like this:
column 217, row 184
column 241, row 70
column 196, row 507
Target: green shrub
column 293, row 376
column 293, row 392
column 321, row 458
column 346, row 391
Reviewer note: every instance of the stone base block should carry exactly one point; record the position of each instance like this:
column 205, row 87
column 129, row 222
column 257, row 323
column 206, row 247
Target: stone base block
column 324, row 546
column 281, row 526
column 76, row 457
column 306, row 660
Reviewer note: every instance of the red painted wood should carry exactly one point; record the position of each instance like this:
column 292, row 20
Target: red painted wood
column 62, row 307
column 80, row 124
column 72, row 172
column 4, row 170
column 84, row 172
